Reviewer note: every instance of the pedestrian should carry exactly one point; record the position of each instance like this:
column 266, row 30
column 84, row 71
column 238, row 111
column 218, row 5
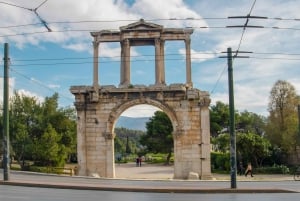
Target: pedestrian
column 119, row 159
column 137, row 160
column 140, row 161
column 249, row 170
column 240, row 168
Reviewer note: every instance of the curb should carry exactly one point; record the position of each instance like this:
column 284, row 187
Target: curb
column 147, row 190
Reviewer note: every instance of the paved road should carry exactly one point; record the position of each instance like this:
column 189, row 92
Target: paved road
column 17, row 193
column 141, row 185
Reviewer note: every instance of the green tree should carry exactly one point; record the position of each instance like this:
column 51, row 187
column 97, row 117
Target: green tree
column 31, row 120
column 249, row 122
column 127, row 141
column 221, row 143
column 49, row 151
column 282, row 126
column 245, row 121
column 158, row 137
column 219, row 118
column 24, row 121
column 250, row 147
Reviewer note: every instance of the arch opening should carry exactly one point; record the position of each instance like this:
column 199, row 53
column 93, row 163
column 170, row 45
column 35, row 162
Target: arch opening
column 129, row 129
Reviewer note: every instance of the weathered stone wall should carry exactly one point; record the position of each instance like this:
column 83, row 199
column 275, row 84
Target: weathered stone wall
column 99, row 109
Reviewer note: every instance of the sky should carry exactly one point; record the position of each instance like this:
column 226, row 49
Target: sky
column 43, row 62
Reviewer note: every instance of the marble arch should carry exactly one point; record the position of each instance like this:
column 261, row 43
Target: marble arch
column 98, row 107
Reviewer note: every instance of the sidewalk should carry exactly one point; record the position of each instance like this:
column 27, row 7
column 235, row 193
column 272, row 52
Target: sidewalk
column 220, row 184
column 162, row 172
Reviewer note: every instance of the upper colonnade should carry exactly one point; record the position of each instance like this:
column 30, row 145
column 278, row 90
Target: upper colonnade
column 139, row 34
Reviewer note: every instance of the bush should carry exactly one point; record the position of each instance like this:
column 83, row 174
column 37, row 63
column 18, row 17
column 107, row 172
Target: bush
column 38, row 169
column 275, row 169
column 157, row 158
column 220, row 161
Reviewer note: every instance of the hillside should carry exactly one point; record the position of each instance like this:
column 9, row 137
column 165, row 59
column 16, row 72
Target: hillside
column 133, row 123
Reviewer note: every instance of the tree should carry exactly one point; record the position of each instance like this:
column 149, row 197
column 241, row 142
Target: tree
column 253, row 148
column 219, row 118
column 32, row 121
column 282, row 126
column 249, row 122
column 245, row 121
column 221, row 143
column 49, row 152
column 158, row 137
column 250, row 147
column 24, row 122
column 127, row 140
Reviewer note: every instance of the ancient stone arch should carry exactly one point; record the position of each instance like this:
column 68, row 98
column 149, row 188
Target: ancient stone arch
column 98, row 107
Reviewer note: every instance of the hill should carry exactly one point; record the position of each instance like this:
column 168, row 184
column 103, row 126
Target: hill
column 133, row 123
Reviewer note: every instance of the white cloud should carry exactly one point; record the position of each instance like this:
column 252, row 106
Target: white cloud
column 171, row 9
column 253, row 77
column 78, row 47
column 10, row 87
column 31, row 94
column 54, row 86
column 198, row 56
column 142, row 110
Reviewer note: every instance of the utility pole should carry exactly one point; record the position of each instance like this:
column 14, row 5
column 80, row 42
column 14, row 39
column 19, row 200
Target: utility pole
column 233, row 165
column 233, row 171
column 5, row 116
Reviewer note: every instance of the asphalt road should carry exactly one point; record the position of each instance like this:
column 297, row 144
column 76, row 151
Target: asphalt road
column 17, row 193
column 146, row 185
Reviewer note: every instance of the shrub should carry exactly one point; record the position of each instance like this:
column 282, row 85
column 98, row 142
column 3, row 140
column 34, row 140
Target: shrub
column 275, row 169
column 220, row 161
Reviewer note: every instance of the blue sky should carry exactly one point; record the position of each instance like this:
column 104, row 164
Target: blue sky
column 46, row 62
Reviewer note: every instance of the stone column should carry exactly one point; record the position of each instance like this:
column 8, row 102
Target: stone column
column 162, row 57
column 158, row 69
column 126, row 65
column 96, row 64
column 122, row 64
column 188, row 61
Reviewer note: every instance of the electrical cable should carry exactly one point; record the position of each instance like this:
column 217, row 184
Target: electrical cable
column 34, row 11
column 117, row 59
column 38, row 83
column 239, row 45
column 244, row 30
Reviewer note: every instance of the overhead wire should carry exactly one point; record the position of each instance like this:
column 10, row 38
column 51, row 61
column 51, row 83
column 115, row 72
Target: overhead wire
column 244, row 29
column 239, row 45
column 38, row 83
column 116, row 59
column 202, row 27
column 34, row 10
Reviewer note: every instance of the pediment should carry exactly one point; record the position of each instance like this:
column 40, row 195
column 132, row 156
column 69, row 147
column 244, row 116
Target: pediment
column 141, row 25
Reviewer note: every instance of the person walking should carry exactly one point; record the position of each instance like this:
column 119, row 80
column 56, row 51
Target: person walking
column 249, row 170
column 140, row 161
column 241, row 168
